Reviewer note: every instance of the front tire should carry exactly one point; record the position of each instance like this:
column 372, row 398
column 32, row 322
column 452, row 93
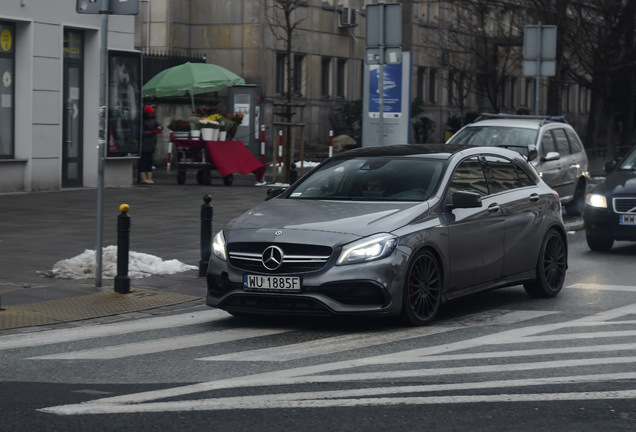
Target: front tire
column 422, row 290
column 599, row 244
column 551, row 266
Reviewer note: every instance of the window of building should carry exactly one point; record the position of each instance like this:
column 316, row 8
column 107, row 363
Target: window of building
column 7, row 90
column 280, row 74
column 421, row 76
column 341, row 78
column 298, row 75
column 325, row 77
column 432, row 83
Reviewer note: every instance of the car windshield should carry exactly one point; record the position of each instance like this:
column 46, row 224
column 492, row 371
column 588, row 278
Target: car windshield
column 629, row 163
column 517, row 139
column 371, row 178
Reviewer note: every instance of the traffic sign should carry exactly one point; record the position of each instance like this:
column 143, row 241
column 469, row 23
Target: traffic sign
column 112, row 7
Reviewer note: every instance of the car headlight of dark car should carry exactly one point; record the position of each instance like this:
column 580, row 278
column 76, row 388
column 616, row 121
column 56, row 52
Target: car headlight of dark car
column 371, row 248
column 218, row 246
column 596, row 200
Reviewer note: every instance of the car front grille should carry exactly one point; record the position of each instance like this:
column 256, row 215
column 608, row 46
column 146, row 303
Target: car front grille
column 625, row 205
column 297, row 258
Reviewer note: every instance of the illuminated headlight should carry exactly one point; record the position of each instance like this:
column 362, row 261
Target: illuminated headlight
column 368, row 249
column 218, row 246
column 595, row 200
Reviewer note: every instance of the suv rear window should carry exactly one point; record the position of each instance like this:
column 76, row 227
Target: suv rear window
column 517, row 139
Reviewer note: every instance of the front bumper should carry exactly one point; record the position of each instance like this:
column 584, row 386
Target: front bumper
column 373, row 288
column 604, row 223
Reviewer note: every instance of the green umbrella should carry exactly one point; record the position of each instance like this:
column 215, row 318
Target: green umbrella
column 192, row 79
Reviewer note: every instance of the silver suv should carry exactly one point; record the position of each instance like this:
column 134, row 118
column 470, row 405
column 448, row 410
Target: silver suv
column 550, row 143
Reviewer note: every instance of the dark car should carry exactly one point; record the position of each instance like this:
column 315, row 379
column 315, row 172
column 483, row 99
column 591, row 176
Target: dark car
column 395, row 230
column 610, row 212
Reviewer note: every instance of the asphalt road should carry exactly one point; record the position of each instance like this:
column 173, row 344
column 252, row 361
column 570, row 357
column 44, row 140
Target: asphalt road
column 495, row 361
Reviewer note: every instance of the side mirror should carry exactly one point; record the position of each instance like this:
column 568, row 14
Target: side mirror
column 552, row 156
column 273, row 193
column 464, row 199
column 610, row 166
column 532, row 152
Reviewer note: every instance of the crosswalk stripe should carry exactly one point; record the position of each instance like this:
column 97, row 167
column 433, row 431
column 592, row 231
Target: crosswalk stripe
column 49, row 337
column 336, row 344
column 603, row 287
column 362, row 397
column 161, row 345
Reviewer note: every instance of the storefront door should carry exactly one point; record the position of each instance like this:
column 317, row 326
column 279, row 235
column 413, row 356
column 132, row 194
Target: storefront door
column 72, row 167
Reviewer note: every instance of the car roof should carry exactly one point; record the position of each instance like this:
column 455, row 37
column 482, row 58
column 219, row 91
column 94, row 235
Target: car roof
column 437, row 151
column 443, row 151
column 517, row 121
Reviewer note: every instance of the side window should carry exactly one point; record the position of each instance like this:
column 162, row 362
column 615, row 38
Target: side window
column 468, row 176
column 575, row 143
column 500, row 174
column 547, row 144
column 524, row 177
column 562, row 144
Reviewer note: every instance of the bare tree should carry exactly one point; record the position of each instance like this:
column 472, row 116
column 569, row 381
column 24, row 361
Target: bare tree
column 284, row 19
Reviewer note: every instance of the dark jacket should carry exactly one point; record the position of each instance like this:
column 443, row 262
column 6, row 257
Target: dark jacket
column 151, row 128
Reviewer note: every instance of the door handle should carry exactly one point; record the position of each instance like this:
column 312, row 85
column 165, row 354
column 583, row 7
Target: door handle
column 534, row 197
column 494, row 208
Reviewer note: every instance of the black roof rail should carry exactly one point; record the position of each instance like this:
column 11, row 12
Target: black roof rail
column 544, row 119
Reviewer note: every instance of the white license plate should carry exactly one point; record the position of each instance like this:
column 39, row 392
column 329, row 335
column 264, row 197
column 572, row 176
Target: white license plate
column 628, row 220
column 271, row 283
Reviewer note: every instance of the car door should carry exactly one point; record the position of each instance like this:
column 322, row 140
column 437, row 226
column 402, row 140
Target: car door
column 476, row 235
column 553, row 171
column 521, row 205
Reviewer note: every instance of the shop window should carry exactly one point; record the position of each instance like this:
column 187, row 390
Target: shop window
column 7, row 90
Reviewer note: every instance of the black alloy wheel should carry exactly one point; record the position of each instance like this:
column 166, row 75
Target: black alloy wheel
column 551, row 266
column 422, row 290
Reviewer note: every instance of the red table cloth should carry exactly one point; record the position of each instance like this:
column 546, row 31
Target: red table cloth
column 228, row 157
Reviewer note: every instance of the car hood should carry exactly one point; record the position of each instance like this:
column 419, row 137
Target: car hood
column 320, row 222
column 618, row 183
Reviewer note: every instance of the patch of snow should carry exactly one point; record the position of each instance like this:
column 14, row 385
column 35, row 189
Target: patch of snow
column 140, row 265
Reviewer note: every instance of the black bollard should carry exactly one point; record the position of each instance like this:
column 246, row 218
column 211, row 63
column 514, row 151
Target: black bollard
column 293, row 174
column 122, row 280
column 206, row 234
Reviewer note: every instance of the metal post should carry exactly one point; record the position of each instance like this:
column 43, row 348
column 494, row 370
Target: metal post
column 122, row 280
column 101, row 143
column 537, row 82
column 206, row 234
column 381, row 79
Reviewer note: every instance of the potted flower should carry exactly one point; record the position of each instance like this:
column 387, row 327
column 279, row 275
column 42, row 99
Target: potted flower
column 180, row 128
column 209, row 128
column 226, row 125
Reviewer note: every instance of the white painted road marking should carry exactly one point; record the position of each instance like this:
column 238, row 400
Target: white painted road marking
column 336, row 372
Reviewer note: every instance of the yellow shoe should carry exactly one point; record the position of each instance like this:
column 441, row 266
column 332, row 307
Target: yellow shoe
column 149, row 178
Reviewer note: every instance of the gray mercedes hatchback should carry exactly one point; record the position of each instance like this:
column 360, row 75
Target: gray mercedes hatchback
column 393, row 231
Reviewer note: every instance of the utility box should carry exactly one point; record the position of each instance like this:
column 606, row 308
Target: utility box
column 246, row 99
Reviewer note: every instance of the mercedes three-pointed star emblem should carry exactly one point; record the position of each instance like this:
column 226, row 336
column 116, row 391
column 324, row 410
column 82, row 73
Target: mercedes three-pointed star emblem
column 272, row 257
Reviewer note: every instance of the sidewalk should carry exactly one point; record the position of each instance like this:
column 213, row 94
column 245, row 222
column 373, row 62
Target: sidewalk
column 38, row 229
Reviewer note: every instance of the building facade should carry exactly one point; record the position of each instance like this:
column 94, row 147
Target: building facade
column 49, row 97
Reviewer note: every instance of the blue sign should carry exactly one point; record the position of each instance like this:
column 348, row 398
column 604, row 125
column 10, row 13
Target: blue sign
column 392, row 91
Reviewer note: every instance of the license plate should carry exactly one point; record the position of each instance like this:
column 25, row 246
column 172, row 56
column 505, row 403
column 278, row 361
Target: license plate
column 271, row 283
column 628, row 220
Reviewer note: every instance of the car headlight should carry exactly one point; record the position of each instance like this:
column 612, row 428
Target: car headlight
column 218, row 246
column 596, row 200
column 368, row 249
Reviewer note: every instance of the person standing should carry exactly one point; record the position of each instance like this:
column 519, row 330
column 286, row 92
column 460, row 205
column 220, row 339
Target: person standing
column 148, row 144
